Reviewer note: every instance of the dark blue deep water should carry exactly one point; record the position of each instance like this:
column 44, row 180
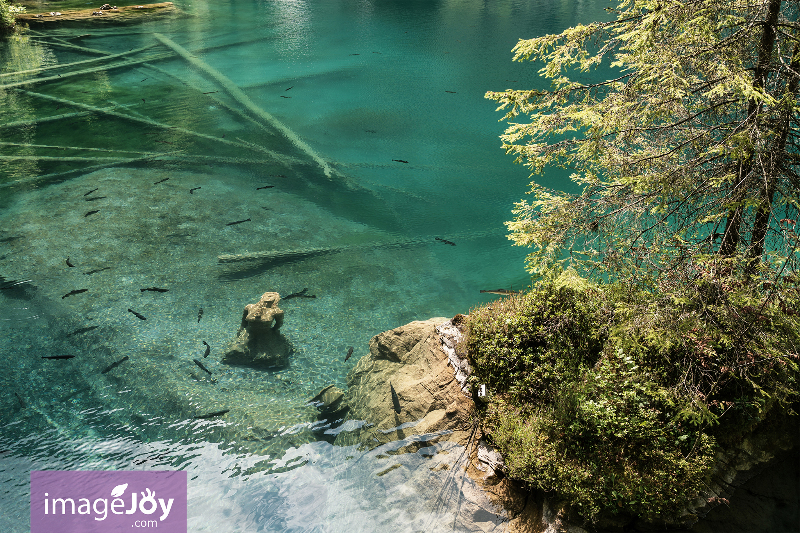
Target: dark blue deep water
column 131, row 167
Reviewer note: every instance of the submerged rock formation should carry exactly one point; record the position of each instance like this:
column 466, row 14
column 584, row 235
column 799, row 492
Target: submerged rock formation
column 259, row 342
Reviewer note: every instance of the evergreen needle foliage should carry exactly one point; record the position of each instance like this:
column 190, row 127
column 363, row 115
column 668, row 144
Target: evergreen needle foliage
column 663, row 327
column 687, row 156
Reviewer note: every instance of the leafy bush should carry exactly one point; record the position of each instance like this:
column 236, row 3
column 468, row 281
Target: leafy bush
column 616, row 400
column 7, row 12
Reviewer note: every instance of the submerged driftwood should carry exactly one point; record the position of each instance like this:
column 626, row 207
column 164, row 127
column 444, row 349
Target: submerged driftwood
column 303, row 253
column 243, row 99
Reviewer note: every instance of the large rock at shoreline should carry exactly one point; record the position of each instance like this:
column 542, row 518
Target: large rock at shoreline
column 405, row 386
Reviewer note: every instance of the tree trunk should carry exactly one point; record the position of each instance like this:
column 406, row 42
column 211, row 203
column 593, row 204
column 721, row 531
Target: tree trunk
column 733, row 226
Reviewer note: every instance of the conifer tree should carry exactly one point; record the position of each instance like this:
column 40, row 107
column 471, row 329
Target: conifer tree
column 686, row 156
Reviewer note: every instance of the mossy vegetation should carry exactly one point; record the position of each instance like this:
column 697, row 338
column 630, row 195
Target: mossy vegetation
column 616, row 400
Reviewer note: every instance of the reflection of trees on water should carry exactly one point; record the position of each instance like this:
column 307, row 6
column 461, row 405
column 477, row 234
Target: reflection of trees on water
column 19, row 54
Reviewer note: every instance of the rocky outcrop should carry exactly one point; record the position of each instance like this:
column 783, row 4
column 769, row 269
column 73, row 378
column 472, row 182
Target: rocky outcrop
column 413, row 383
column 259, row 342
column 405, row 386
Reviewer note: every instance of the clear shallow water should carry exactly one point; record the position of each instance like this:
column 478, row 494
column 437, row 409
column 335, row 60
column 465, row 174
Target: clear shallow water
column 362, row 83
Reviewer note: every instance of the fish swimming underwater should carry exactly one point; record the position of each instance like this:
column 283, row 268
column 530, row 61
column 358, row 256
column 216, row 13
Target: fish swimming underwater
column 114, row 365
column 76, row 291
column 96, row 270
column 69, row 264
column 191, row 191
column 154, row 289
column 349, row 353
column 200, row 314
column 208, row 349
column 90, row 192
column 301, row 294
column 82, row 330
column 445, row 241
column 395, row 399
column 91, row 213
column 137, row 315
column 265, row 187
column 57, row 356
column 159, row 181
column 201, row 365
column 212, row 415
column 502, row 292
column 238, row 222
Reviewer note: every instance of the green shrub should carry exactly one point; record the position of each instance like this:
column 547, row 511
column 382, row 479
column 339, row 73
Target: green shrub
column 617, row 400
column 7, row 13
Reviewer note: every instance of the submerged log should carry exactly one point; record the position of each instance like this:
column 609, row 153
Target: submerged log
column 243, row 99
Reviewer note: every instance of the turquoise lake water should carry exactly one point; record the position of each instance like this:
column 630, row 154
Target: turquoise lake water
column 132, row 171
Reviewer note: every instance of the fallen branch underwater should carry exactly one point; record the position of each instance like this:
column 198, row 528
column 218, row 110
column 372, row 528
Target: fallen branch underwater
column 65, row 65
column 303, row 253
column 243, row 99
column 278, row 157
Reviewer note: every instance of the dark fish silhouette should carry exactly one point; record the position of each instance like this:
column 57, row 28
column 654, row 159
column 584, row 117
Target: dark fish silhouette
column 212, row 415
column 201, row 365
column 21, row 401
column 238, row 222
column 399, row 160
column 90, row 192
column 503, row 292
column 114, row 365
column 211, row 92
column 349, row 353
column 200, row 314
column 395, row 399
column 10, row 239
column 208, row 349
column 69, row 264
column 76, row 291
column 82, row 330
column 154, row 289
column 277, row 175
column 160, row 181
column 264, row 187
column 91, row 213
column 301, row 294
column 96, row 270
column 12, row 283
column 292, row 87
column 451, row 92
column 57, row 356
column 137, row 315
column 93, row 198
column 282, row 96
column 445, row 241
column 191, row 191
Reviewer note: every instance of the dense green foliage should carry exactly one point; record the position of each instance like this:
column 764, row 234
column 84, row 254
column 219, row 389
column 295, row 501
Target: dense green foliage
column 685, row 150
column 7, row 12
column 617, row 401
